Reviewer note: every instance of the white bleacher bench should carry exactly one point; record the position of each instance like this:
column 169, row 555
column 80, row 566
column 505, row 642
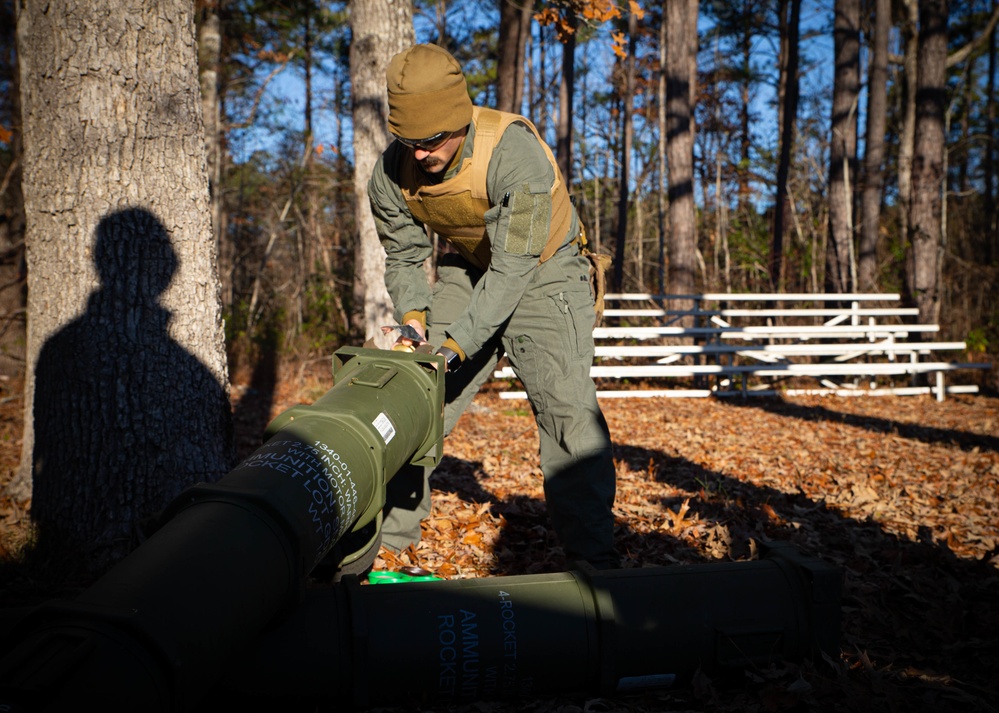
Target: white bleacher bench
column 840, row 331
column 758, row 348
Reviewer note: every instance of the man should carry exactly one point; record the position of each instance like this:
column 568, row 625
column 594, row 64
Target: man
column 515, row 282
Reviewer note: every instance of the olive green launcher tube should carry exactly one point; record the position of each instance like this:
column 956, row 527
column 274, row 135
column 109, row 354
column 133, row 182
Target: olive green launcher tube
column 156, row 631
column 600, row 633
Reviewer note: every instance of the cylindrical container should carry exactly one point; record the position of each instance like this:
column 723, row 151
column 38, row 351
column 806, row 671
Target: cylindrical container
column 579, row 632
column 155, row 633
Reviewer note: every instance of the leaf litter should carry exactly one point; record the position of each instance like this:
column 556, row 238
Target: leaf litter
column 902, row 493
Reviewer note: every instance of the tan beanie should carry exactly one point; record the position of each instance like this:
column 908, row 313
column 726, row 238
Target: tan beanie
column 427, row 93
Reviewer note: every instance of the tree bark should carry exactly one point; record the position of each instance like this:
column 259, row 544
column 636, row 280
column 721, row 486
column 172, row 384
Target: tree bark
column 910, row 34
column 991, row 151
column 927, row 165
column 877, row 113
column 843, row 146
column 662, row 205
column 381, row 29
column 13, row 296
column 567, row 86
column 126, row 393
column 514, row 28
column 627, row 131
column 681, row 76
column 790, row 11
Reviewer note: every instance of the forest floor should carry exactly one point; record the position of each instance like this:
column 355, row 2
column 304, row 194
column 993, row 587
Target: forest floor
column 901, row 493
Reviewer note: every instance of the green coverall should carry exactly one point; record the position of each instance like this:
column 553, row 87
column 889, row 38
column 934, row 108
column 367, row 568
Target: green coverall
column 540, row 315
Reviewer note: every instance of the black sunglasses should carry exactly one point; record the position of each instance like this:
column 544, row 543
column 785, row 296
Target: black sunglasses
column 429, row 144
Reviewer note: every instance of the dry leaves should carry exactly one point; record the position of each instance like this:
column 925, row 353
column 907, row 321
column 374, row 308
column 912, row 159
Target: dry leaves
column 902, row 493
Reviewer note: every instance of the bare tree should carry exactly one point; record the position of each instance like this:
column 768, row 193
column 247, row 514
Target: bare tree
column 12, row 279
column 790, row 13
column 923, row 260
column 877, row 113
column 567, row 86
column 126, row 393
column 627, row 129
column 681, row 82
column 381, row 30
column 843, row 146
column 514, row 28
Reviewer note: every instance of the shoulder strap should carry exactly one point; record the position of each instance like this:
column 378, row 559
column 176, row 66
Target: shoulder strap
column 487, row 129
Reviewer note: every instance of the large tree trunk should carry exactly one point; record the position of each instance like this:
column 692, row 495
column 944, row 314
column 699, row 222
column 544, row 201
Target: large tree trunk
column 126, row 390
column 877, row 112
column 927, row 165
column 843, row 146
column 381, row 29
column 790, row 13
column 514, row 28
column 681, row 75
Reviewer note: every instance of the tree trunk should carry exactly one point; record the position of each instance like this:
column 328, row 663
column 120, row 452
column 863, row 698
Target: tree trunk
column 790, row 11
column 910, row 33
column 209, row 53
column 567, row 85
column 927, row 164
column 681, row 74
column 126, row 394
column 13, row 295
column 877, row 112
column 991, row 152
column 514, row 28
column 381, row 29
column 843, row 146
column 627, row 131
column 662, row 205
column 746, row 79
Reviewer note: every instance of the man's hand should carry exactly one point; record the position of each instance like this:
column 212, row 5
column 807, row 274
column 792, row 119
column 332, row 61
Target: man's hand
column 411, row 335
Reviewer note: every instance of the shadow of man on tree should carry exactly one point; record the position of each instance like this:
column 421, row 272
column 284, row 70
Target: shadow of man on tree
column 124, row 416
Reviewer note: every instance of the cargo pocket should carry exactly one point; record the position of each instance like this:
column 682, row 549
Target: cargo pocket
column 572, row 310
column 526, row 362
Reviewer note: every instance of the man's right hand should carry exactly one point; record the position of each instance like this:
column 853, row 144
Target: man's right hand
column 411, row 335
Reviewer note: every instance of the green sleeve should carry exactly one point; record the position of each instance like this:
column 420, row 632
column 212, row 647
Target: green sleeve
column 405, row 241
column 518, row 231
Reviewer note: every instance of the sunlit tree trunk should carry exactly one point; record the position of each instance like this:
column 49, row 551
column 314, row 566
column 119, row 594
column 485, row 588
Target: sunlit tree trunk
column 927, row 165
column 126, row 394
column 843, row 146
column 877, row 112
column 209, row 53
column 514, row 28
column 381, row 29
column 681, row 75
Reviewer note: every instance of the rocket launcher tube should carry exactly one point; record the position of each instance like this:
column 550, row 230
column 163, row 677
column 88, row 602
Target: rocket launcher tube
column 598, row 633
column 155, row 632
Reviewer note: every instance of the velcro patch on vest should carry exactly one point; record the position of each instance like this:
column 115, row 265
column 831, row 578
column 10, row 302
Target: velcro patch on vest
column 530, row 218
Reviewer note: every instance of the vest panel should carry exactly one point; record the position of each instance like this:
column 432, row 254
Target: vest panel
column 455, row 208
